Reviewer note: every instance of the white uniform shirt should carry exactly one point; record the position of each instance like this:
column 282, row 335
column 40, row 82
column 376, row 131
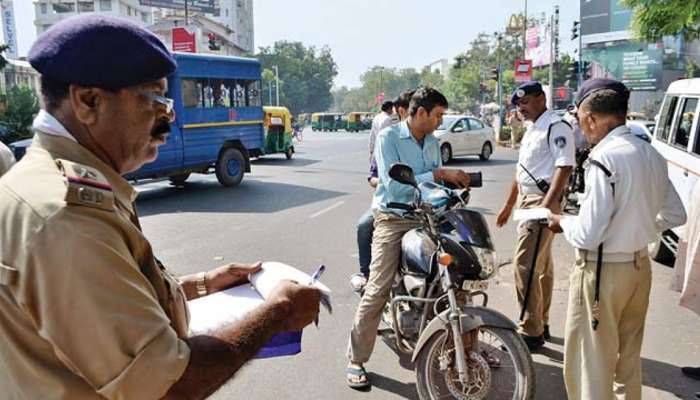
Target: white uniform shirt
column 380, row 121
column 7, row 159
column 542, row 156
column 644, row 202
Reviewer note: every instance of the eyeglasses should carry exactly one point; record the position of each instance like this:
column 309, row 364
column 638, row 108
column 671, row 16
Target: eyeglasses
column 166, row 101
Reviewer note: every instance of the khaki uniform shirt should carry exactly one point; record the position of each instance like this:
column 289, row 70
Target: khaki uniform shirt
column 86, row 312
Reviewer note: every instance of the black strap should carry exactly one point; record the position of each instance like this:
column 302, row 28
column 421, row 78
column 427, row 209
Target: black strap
column 599, row 262
column 549, row 130
column 605, row 170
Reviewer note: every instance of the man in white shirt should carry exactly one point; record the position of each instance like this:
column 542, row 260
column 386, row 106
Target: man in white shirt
column 628, row 200
column 380, row 121
column 544, row 164
column 7, row 159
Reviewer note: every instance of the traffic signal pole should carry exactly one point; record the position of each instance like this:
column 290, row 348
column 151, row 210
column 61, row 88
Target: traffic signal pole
column 580, row 58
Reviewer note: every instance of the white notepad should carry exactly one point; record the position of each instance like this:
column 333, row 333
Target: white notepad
column 529, row 214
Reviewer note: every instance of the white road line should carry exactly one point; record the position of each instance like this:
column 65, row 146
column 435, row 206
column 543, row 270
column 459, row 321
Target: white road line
column 325, row 210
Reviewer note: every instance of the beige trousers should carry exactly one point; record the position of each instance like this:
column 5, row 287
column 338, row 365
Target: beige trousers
column 537, row 311
column 605, row 364
column 386, row 252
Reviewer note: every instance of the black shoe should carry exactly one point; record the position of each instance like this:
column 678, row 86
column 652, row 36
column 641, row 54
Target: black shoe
column 697, row 396
column 692, row 372
column 533, row 342
column 546, row 334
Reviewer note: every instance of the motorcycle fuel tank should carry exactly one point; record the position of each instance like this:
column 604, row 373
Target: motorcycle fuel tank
column 417, row 250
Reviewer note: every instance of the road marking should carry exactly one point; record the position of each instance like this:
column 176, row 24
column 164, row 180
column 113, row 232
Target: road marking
column 325, row 210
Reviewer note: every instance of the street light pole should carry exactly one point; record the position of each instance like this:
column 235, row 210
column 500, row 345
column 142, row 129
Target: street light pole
column 525, row 32
column 277, row 84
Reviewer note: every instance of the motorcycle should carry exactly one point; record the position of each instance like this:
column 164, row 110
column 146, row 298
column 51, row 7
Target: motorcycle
column 460, row 349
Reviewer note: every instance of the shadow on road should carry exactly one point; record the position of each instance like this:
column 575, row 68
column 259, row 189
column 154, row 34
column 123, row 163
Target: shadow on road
column 405, row 390
column 251, row 196
column 281, row 160
column 668, row 378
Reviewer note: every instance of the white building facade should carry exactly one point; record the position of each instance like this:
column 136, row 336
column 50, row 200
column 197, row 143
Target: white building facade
column 48, row 12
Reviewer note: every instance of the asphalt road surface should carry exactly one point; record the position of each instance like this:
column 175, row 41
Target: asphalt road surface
column 304, row 211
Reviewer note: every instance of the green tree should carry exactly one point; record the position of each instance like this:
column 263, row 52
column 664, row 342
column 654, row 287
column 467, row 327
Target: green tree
column 20, row 108
column 654, row 19
column 306, row 75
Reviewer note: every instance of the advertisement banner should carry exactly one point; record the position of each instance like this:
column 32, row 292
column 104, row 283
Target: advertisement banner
column 639, row 66
column 523, row 70
column 184, row 40
column 539, row 45
column 604, row 20
column 8, row 23
column 204, row 6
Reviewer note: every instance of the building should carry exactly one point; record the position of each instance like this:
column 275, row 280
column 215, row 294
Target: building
column 48, row 12
column 19, row 73
column 200, row 35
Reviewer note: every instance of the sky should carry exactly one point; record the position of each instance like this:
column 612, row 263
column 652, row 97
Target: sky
column 366, row 33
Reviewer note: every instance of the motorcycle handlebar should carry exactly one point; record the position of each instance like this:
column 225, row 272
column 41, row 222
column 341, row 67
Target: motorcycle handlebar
column 400, row 206
column 475, row 180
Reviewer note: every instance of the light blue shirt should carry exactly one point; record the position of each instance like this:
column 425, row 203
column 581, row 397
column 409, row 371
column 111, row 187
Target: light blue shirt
column 395, row 144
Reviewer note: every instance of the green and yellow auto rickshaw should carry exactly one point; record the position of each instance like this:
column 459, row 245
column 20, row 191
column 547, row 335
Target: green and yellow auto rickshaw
column 355, row 122
column 316, row 121
column 329, row 122
column 278, row 131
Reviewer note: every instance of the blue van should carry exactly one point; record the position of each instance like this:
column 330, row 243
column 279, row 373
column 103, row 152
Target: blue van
column 218, row 124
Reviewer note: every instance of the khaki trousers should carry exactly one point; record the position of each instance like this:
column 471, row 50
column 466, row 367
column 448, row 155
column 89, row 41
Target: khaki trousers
column 386, row 252
column 537, row 311
column 605, row 364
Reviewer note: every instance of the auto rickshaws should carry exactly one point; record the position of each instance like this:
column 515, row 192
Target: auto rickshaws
column 316, row 121
column 331, row 122
column 277, row 124
column 355, row 122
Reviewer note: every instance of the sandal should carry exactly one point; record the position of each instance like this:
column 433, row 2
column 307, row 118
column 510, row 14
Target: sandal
column 357, row 373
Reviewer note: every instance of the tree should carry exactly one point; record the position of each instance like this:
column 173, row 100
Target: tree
column 654, row 19
column 17, row 117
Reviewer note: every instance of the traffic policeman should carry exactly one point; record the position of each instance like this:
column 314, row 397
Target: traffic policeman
column 87, row 311
column 7, row 159
column 544, row 164
column 628, row 201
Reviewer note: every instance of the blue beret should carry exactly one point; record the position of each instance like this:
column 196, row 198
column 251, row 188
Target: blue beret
column 531, row 87
column 593, row 85
column 101, row 51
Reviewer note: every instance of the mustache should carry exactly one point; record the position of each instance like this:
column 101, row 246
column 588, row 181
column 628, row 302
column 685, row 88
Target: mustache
column 161, row 129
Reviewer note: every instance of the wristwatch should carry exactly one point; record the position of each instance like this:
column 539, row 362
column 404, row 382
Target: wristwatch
column 201, row 284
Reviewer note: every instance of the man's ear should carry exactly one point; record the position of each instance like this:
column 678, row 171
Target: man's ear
column 85, row 102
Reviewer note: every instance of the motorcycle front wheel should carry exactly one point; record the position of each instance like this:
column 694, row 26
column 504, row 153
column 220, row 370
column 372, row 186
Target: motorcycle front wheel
column 499, row 367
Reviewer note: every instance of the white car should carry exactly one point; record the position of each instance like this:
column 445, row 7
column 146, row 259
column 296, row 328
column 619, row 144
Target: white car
column 642, row 128
column 461, row 135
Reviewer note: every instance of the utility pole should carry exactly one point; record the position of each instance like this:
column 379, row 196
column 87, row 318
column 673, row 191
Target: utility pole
column 277, row 84
column 186, row 15
column 553, row 44
column 269, row 97
column 500, row 79
column 525, row 32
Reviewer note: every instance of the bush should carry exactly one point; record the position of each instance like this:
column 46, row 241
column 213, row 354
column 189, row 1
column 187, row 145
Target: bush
column 21, row 105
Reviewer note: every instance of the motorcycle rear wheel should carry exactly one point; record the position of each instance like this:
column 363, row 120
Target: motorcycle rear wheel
column 512, row 379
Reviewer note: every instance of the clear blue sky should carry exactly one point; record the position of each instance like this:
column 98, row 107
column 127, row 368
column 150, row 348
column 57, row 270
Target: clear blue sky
column 364, row 33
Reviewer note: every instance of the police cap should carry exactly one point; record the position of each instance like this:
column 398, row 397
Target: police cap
column 101, row 51
column 527, row 88
column 593, row 85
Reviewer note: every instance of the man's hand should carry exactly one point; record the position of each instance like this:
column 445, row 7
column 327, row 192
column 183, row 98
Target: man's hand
column 456, row 177
column 553, row 225
column 230, row 275
column 504, row 215
column 300, row 304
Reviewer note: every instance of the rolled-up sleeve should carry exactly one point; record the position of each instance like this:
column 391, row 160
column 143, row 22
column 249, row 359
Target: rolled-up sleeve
column 91, row 302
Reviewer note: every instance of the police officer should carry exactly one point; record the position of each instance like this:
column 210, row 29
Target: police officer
column 7, row 159
column 544, row 164
column 628, row 200
column 87, row 311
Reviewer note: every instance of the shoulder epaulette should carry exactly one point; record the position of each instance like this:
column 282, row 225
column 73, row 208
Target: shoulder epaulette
column 86, row 185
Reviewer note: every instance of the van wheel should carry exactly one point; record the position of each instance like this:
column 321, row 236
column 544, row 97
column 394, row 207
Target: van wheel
column 659, row 252
column 179, row 179
column 230, row 167
column 445, row 153
column 486, row 152
column 289, row 153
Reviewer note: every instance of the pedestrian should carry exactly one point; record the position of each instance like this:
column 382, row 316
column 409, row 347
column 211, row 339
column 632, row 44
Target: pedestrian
column 628, row 200
column 515, row 122
column 380, row 121
column 688, row 266
column 545, row 162
column 7, row 159
column 410, row 142
column 365, row 225
column 88, row 311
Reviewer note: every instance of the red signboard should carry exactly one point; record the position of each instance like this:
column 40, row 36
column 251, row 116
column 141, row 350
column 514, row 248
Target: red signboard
column 523, row 70
column 184, row 41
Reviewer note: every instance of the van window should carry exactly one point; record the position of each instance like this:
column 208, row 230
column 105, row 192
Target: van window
column 192, row 92
column 666, row 118
column 696, row 147
column 684, row 122
column 253, row 94
column 211, row 93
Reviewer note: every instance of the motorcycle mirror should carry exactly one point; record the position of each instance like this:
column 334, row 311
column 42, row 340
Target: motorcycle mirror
column 402, row 173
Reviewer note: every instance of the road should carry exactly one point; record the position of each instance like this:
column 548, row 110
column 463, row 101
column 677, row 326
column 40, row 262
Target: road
column 303, row 212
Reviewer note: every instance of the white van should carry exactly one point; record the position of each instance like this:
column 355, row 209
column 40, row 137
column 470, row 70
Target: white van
column 677, row 138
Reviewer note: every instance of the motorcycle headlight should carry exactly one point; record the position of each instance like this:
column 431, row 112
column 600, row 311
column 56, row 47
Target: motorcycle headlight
column 487, row 259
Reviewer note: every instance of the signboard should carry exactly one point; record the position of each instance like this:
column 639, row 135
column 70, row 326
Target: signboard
column 539, row 45
column 8, row 23
column 204, row 6
column 523, row 70
column 184, row 41
column 639, row 66
column 603, row 20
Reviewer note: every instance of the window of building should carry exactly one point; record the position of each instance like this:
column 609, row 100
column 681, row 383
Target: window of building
column 86, row 6
column 667, row 110
column 61, row 8
column 684, row 122
column 43, row 8
column 144, row 17
column 128, row 10
column 106, row 5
